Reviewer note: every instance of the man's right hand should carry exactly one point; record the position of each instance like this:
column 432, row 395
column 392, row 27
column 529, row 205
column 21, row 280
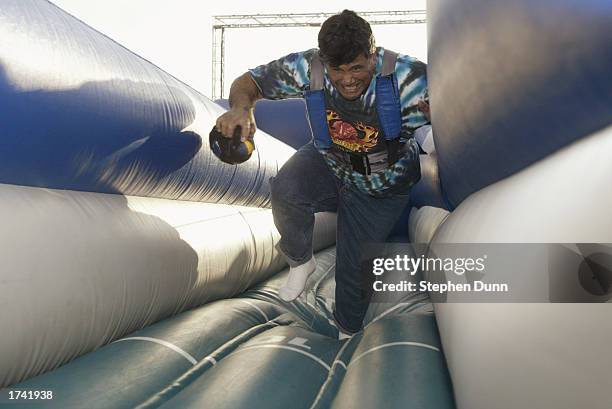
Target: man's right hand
column 238, row 116
column 424, row 108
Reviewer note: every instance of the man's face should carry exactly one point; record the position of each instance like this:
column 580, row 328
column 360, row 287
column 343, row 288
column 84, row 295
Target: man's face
column 352, row 79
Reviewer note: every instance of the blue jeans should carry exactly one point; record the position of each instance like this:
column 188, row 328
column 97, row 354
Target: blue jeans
column 304, row 186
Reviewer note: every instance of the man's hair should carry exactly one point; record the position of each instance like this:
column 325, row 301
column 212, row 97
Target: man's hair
column 343, row 37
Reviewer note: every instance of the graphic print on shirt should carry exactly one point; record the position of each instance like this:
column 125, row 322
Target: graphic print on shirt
column 357, row 137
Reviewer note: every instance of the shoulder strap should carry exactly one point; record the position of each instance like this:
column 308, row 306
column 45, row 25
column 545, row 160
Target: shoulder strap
column 388, row 63
column 316, row 73
column 315, row 105
column 388, row 104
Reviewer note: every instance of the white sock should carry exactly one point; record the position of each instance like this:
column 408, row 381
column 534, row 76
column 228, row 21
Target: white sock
column 296, row 281
column 343, row 335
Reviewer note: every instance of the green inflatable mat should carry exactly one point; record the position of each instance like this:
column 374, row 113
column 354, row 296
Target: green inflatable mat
column 257, row 351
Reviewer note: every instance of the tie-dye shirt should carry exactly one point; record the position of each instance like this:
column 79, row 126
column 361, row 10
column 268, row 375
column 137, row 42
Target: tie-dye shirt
column 354, row 125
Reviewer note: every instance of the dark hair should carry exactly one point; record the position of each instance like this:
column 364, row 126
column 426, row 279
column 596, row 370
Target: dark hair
column 343, row 37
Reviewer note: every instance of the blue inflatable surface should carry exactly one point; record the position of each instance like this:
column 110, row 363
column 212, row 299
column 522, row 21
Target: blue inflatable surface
column 78, row 111
column 533, row 76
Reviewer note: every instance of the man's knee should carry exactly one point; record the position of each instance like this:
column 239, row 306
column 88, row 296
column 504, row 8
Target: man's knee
column 278, row 190
column 304, row 179
column 289, row 187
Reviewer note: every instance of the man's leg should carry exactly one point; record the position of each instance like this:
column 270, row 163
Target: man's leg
column 362, row 220
column 302, row 187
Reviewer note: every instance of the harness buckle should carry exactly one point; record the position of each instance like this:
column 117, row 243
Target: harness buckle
column 360, row 163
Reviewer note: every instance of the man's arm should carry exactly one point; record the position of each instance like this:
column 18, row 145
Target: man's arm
column 243, row 94
column 424, row 108
column 283, row 78
column 412, row 82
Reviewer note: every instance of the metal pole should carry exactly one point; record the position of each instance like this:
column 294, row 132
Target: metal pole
column 214, row 64
column 222, row 63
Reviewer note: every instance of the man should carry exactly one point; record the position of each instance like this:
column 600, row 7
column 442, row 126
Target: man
column 363, row 106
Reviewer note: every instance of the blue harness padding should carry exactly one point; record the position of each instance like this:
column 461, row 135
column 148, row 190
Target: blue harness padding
column 387, row 102
column 317, row 118
column 388, row 106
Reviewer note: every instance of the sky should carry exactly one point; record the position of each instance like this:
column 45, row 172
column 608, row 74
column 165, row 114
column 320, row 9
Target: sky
column 177, row 35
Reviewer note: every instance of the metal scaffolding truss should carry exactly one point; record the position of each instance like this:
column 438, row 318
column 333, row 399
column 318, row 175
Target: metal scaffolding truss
column 221, row 23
